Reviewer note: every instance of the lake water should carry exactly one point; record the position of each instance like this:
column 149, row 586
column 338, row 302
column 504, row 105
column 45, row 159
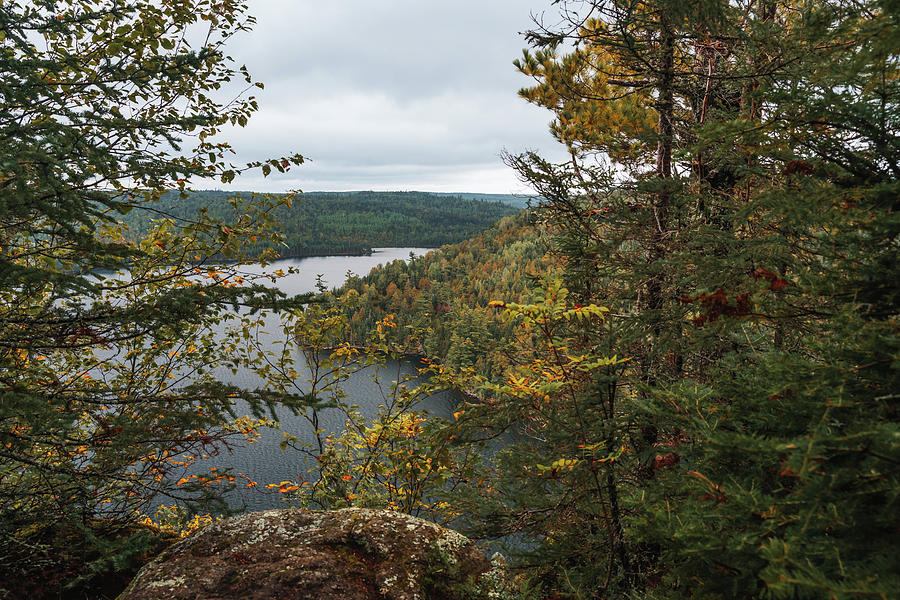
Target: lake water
column 333, row 269
column 264, row 461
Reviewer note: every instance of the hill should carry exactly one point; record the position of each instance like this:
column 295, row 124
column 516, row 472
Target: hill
column 440, row 301
column 326, row 223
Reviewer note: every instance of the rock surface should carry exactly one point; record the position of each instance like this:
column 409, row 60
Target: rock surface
column 292, row 554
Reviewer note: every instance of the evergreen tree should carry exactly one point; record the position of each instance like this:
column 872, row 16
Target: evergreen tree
column 731, row 197
column 106, row 346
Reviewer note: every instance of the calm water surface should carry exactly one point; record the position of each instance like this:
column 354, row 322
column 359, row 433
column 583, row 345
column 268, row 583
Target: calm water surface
column 264, row 461
column 333, row 269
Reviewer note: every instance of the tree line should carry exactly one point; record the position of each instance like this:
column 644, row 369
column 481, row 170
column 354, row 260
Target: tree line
column 329, row 223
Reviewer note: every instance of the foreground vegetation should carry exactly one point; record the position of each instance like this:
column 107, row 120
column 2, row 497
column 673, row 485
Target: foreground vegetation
column 106, row 346
column 693, row 396
column 729, row 428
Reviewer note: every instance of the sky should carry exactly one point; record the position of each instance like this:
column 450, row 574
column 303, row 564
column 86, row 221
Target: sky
column 389, row 94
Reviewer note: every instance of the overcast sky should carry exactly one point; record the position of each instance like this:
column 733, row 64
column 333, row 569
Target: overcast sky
column 389, row 94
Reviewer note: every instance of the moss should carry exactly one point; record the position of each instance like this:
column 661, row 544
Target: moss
column 319, row 555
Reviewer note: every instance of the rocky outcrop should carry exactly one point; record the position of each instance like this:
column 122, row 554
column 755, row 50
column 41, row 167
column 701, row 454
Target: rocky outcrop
column 292, row 554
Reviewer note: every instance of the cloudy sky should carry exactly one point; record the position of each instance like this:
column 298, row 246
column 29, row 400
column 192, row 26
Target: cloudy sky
column 389, row 94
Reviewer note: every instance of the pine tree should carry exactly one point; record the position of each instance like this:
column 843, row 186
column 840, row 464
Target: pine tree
column 731, row 197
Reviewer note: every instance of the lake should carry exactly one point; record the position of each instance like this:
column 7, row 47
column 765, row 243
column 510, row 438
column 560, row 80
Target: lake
column 264, row 461
column 333, row 269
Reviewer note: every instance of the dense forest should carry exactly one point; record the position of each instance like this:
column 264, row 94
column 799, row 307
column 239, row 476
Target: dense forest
column 682, row 360
column 440, row 301
column 323, row 223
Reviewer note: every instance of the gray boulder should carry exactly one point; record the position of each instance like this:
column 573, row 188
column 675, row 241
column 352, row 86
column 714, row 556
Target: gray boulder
column 292, row 554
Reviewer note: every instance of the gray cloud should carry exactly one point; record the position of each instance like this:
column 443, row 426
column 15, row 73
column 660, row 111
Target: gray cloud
column 397, row 94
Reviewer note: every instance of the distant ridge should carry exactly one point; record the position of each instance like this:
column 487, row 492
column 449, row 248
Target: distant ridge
column 329, row 223
column 516, row 200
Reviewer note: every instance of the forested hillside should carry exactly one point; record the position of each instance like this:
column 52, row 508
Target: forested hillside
column 323, row 223
column 440, row 301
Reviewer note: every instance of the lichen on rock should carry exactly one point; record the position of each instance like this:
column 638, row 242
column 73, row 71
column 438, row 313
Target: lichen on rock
column 293, row 554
